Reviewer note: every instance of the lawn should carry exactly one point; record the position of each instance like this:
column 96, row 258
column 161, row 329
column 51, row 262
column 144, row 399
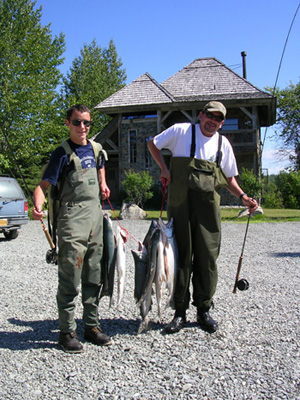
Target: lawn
column 230, row 215
column 269, row 215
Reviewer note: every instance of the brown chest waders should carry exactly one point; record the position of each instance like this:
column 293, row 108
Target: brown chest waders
column 194, row 204
column 80, row 243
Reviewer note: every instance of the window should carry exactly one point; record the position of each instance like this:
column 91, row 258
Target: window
column 132, row 146
column 148, row 158
column 231, row 124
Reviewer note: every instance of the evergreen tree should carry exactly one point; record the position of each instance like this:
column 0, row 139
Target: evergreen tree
column 29, row 76
column 288, row 119
column 95, row 74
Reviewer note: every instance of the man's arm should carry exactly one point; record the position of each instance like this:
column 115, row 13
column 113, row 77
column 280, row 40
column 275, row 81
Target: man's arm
column 104, row 189
column 165, row 176
column 39, row 199
column 235, row 189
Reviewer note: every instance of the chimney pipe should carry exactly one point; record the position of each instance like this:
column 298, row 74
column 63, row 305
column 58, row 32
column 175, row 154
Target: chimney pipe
column 244, row 54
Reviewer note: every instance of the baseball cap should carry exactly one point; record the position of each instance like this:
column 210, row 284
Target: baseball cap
column 215, row 106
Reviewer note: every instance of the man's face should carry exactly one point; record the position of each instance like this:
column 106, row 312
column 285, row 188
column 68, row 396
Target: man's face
column 209, row 123
column 78, row 134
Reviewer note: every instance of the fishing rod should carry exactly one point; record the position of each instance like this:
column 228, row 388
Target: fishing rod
column 279, row 67
column 51, row 254
column 241, row 284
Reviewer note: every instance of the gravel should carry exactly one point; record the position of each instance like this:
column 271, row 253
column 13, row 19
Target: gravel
column 253, row 355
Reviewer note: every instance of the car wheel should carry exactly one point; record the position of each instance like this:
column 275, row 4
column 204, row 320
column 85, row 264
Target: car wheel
column 11, row 234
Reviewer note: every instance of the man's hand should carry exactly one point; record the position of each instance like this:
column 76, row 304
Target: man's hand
column 37, row 213
column 250, row 203
column 105, row 191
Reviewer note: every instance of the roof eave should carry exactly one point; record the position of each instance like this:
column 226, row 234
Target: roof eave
column 269, row 102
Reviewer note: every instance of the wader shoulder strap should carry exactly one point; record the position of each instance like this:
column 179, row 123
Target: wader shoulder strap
column 219, row 154
column 99, row 152
column 56, row 191
column 193, row 144
column 71, row 156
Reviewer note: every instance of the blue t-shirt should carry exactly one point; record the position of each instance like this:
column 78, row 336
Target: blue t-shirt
column 59, row 160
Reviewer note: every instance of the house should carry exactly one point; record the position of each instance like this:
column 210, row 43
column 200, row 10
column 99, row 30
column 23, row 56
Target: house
column 144, row 108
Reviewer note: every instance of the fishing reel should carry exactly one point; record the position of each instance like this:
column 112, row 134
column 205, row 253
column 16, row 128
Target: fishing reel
column 242, row 284
column 51, row 256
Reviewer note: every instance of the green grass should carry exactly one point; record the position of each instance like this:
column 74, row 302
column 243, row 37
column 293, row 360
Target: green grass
column 230, row 215
column 270, row 215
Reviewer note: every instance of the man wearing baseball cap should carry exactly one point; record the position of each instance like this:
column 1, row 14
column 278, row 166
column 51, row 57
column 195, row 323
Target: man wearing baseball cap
column 202, row 162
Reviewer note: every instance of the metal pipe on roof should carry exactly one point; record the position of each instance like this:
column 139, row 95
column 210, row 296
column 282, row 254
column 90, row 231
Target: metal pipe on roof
column 244, row 54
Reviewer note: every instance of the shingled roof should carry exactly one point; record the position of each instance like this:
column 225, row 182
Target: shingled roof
column 141, row 92
column 206, row 78
column 202, row 80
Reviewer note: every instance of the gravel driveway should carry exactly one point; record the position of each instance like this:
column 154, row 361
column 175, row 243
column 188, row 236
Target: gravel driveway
column 254, row 355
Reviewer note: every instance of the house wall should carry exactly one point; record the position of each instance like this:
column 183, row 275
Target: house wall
column 145, row 128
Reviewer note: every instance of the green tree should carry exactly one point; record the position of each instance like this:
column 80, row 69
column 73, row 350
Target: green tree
column 250, row 183
column 288, row 185
column 271, row 197
column 95, row 74
column 288, row 119
column 137, row 185
column 29, row 76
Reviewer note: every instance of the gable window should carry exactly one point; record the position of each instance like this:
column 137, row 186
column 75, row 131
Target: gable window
column 148, row 158
column 230, row 124
column 132, row 145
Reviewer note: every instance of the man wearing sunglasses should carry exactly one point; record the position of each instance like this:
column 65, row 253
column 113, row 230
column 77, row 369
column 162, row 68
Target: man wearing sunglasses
column 202, row 162
column 77, row 169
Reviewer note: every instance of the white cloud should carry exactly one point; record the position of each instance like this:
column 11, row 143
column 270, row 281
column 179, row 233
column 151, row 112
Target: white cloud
column 275, row 161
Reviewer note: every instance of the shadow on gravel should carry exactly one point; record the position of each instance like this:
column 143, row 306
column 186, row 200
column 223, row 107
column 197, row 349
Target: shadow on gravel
column 283, row 255
column 43, row 334
column 122, row 326
column 39, row 335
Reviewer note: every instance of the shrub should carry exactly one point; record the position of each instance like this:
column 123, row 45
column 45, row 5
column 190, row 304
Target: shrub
column 137, row 185
column 250, row 183
column 288, row 185
column 271, row 196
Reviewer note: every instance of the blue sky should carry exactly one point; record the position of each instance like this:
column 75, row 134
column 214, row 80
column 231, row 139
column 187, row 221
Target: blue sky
column 162, row 36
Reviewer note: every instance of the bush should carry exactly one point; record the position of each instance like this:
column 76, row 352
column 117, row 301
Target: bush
column 288, row 185
column 250, row 183
column 155, row 202
column 137, row 185
column 271, row 196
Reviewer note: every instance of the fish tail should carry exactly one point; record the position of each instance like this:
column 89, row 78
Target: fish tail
column 144, row 325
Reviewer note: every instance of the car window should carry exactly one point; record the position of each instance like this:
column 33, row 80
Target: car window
column 9, row 190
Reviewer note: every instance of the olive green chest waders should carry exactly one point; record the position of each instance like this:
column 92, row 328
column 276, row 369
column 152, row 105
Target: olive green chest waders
column 194, row 204
column 80, row 244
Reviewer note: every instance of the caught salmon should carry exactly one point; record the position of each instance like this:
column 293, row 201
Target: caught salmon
column 140, row 264
column 121, row 239
column 108, row 259
column 153, row 226
column 170, row 257
column 156, row 262
column 160, row 274
column 145, row 301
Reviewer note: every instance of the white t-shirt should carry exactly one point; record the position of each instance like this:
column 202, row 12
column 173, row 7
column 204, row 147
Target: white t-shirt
column 178, row 140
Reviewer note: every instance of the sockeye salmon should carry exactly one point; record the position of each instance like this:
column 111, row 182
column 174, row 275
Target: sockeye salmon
column 170, row 257
column 140, row 264
column 121, row 239
column 145, row 301
column 153, row 226
column 108, row 259
column 160, row 273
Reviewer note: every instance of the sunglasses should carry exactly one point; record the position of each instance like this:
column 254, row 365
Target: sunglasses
column 77, row 122
column 213, row 116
